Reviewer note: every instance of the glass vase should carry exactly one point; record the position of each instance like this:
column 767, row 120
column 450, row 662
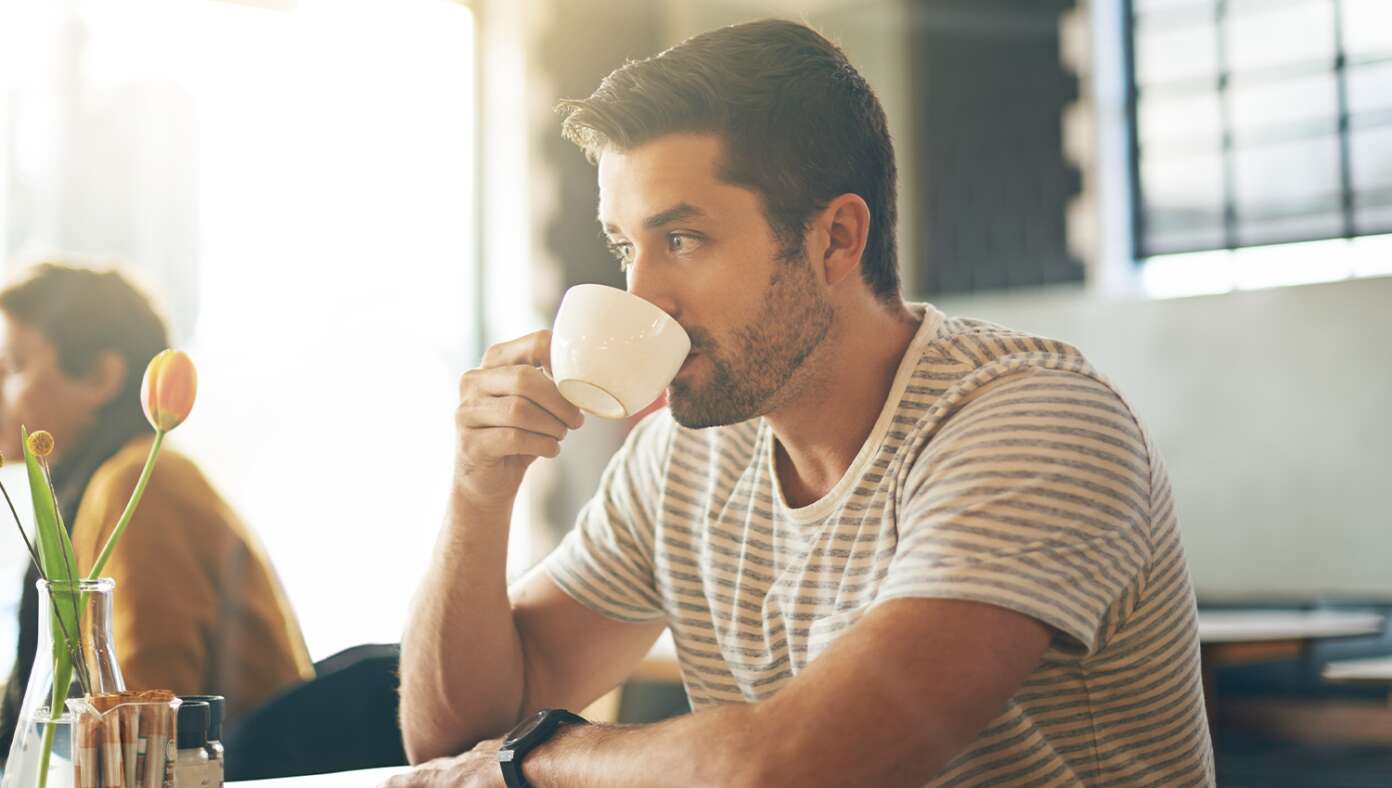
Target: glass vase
column 42, row 752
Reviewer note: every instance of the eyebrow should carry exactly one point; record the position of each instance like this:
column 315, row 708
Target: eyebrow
column 676, row 213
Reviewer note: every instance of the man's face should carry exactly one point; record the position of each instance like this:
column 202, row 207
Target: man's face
column 701, row 250
column 35, row 392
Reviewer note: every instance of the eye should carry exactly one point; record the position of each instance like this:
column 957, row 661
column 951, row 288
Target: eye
column 623, row 252
column 681, row 243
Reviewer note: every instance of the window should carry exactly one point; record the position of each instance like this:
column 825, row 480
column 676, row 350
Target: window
column 1259, row 122
column 317, row 183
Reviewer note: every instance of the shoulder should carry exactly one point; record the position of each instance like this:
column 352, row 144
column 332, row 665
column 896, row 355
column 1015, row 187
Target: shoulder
column 983, row 385
column 963, row 361
column 179, row 514
column 175, row 478
column 965, row 349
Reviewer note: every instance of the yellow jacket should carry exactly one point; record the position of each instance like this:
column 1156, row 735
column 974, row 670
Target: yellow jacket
column 198, row 608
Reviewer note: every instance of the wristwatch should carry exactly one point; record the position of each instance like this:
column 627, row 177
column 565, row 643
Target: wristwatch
column 527, row 736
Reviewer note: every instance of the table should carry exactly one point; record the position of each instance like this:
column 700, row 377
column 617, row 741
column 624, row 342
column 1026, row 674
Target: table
column 1283, row 626
column 1240, row 637
column 364, row 778
column 1374, row 669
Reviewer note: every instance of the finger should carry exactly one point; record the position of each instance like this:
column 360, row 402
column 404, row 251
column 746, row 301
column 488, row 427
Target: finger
column 533, row 350
column 512, row 411
column 494, row 443
column 524, row 381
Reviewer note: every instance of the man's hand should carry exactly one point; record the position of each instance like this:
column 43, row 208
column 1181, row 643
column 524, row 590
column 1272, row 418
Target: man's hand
column 465, row 675
column 510, row 412
column 477, row 768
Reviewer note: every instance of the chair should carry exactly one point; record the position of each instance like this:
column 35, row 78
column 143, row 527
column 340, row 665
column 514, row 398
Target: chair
column 344, row 718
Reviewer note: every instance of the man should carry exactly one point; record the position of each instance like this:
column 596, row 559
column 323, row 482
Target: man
column 893, row 548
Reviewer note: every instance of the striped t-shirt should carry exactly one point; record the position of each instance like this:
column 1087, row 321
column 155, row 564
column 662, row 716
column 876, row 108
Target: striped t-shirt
column 1003, row 469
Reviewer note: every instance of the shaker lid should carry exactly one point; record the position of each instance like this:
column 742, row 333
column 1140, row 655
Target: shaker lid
column 216, row 704
column 193, row 724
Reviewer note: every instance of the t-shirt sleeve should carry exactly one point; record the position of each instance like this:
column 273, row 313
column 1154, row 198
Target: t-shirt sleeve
column 606, row 561
column 1033, row 496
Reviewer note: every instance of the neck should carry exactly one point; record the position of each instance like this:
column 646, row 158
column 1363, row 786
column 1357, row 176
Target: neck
column 820, row 432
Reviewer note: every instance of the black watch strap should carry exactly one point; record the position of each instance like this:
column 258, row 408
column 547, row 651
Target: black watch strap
column 527, row 736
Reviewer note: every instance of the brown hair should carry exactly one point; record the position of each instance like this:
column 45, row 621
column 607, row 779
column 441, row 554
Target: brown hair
column 84, row 313
column 799, row 126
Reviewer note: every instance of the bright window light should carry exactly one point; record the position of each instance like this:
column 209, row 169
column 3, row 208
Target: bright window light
column 1256, row 267
column 336, row 298
column 331, row 286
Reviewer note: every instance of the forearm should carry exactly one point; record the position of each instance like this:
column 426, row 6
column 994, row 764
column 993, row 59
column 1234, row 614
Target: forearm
column 836, row 723
column 716, row 747
column 462, row 672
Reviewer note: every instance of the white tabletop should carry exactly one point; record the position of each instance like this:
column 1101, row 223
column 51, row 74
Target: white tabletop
column 1372, row 669
column 1247, row 626
column 364, row 778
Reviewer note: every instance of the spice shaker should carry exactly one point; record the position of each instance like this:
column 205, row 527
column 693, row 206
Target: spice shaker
column 216, row 759
column 191, row 765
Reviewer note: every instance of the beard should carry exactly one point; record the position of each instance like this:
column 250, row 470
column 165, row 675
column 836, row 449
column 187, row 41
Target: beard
column 752, row 371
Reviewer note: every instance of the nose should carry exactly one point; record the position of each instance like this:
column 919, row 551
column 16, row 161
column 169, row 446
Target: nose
column 647, row 281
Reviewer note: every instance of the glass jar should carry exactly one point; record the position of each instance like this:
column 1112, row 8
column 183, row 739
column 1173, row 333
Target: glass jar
column 77, row 612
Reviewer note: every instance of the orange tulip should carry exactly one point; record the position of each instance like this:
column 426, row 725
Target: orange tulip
column 168, row 390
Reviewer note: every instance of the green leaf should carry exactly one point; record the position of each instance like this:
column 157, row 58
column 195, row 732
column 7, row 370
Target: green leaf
column 54, row 547
column 60, row 566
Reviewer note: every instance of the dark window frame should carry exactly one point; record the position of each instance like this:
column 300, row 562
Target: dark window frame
column 1343, row 128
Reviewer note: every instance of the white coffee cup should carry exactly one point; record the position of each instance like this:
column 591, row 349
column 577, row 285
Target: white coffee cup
column 612, row 353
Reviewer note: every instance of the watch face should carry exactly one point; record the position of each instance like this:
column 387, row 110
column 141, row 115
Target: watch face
column 524, row 728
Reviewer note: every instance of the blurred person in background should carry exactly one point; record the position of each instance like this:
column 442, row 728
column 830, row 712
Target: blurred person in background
column 198, row 608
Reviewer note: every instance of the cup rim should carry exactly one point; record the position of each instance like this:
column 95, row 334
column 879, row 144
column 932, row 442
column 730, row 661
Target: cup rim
column 642, row 303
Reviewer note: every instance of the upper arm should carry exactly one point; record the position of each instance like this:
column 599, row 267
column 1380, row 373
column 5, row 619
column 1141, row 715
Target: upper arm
column 905, row 690
column 571, row 654
column 1034, row 496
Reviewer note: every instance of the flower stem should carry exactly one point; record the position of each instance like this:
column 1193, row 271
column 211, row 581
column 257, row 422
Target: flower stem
column 47, row 751
column 145, row 472
column 69, row 563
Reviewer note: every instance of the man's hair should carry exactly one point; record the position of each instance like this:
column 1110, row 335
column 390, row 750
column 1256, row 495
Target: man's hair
column 84, row 313
column 798, row 124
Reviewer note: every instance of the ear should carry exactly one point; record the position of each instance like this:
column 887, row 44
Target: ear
column 845, row 225
column 106, row 378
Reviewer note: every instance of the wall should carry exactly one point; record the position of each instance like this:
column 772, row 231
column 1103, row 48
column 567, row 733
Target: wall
column 1271, row 408
column 989, row 87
